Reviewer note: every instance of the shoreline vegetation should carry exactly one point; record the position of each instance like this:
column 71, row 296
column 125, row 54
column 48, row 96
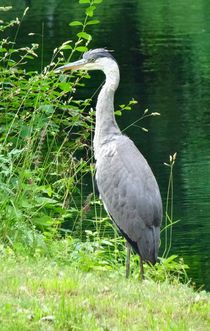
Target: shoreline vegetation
column 61, row 260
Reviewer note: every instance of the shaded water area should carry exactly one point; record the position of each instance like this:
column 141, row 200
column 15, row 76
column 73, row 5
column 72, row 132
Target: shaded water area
column 163, row 49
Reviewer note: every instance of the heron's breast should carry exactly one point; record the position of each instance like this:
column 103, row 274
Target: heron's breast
column 106, row 150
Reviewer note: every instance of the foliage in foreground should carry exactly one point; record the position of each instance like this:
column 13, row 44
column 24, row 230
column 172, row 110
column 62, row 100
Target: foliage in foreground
column 45, row 134
column 45, row 295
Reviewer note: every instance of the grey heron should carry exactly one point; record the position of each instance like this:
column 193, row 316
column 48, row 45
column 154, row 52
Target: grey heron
column 125, row 181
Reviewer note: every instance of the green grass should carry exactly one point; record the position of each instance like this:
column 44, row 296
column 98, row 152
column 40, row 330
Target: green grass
column 40, row 294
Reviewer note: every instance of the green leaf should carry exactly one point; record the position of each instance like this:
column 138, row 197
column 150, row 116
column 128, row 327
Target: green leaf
column 82, row 49
column 90, row 10
column 43, row 201
column 133, row 102
column 66, row 43
column 43, row 220
column 84, row 35
column 98, row 1
column 118, row 113
column 46, row 189
column 29, row 57
column 84, row 1
column 75, row 23
column 63, row 47
column 66, row 87
column 93, row 22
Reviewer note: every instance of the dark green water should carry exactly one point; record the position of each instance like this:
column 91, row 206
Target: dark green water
column 163, row 49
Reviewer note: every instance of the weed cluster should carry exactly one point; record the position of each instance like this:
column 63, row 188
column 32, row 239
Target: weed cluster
column 44, row 133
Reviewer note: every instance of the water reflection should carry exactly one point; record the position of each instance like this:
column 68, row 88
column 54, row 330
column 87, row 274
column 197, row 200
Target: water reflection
column 163, row 50
column 28, row 3
column 178, row 68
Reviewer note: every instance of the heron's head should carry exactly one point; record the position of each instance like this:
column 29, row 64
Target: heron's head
column 96, row 59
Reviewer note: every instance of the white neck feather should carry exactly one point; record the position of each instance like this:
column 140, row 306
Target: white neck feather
column 112, row 73
column 106, row 127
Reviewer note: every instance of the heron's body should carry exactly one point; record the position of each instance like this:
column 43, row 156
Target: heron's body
column 128, row 197
column 125, row 181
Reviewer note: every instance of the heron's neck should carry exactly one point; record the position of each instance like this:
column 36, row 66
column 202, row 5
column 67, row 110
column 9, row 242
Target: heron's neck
column 106, row 128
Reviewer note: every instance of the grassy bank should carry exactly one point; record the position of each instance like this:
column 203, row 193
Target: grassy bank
column 40, row 294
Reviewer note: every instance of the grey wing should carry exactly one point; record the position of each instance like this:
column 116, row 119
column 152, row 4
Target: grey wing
column 131, row 195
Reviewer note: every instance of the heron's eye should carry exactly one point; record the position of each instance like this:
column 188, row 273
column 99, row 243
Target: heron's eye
column 92, row 59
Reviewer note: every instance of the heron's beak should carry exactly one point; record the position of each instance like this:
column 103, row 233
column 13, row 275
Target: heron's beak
column 80, row 64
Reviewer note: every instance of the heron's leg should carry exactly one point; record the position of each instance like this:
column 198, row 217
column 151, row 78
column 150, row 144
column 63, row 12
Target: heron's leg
column 141, row 268
column 127, row 263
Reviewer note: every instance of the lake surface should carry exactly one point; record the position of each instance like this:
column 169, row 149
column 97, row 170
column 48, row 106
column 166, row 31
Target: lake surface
column 163, row 49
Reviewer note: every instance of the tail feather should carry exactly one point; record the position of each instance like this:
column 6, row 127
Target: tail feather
column 148, row 244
